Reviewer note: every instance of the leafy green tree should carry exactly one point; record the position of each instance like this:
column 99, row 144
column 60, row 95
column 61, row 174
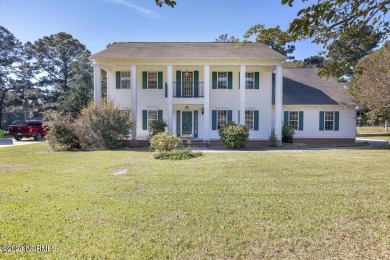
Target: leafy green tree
column 273, row 37
column 325, row 20
column 80, row 93
column 316, row 61
column 225, row 38
column 345, row 51
column 56, row 58
column 11, row 56
column 370, row 85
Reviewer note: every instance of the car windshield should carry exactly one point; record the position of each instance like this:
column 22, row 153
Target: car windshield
column 33, row 123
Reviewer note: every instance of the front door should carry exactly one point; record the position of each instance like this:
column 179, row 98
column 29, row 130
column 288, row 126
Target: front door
column 187, row 84
column 186, row 124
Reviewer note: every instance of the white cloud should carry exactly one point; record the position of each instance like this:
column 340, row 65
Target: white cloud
column 141, row 10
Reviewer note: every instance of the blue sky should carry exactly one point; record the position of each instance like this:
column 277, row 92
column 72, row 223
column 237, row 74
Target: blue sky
column 96, row 23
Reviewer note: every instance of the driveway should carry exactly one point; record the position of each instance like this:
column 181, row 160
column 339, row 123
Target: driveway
column 6, row 142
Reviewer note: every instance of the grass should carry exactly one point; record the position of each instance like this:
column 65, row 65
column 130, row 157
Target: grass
column 127, row 205
column 373, row 132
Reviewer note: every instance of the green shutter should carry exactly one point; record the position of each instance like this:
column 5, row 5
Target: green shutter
column 118, row 79
column 239, row 80
column 285, row 122
column 178, row 123
column 144, row 79
column 322, row 118
column 160, row 80
column 214, row 120
column 196, row 124
column 196, row 83
column 144, row 119
column 256, row 120
column 178, row 84
column 214, row 80
column 257, row 80
column 229, row 116
column 230, row 80
column 336, row 120
column 160, row 115
column 300, row 120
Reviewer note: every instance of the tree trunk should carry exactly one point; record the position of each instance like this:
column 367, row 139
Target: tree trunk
column 1, row 108
column 386, row 124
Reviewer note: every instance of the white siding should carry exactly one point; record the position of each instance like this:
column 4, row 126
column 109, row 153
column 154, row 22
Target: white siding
column 122, row 97
column 347, row 121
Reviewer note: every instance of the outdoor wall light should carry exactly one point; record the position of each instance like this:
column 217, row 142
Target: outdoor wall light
column 202, row 110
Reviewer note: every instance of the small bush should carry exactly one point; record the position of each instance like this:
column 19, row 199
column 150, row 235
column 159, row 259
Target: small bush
column 104, row 127
column 95, row 128
column 2, row 132
column 157, row 126
column 62, row 134
column 176, row 155
column 234, row 135
column 287, row 134
column 272, row 140
column 165, row 142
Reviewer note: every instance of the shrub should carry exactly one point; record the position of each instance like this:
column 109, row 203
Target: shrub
column 165, row 142
column 176, row 155
column 272, row 140
column 287, row 134
column 95, row 128
column 157, row 126
column 2, row 132
column 234, row 135
column 62, row 134
column 104, row 127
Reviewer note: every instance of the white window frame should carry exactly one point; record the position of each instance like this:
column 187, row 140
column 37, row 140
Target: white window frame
column 249, row 119
column 249, row 80
column 151, row 116
column 293, row 119
column 222, row 118
column 329, row 117
column 222, row 80
column 125, row 81
column 151, row 80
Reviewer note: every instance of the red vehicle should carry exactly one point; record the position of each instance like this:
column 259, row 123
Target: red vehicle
column 31, row 128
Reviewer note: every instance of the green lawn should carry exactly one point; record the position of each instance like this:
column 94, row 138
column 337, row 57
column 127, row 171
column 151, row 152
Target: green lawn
column 373, row 132
column 306, row 205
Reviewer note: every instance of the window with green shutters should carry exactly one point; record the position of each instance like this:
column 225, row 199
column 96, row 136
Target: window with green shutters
column 252, row 80
column 329, row 120
column 222, row 80
column 251, row 119
column 123, row 79
column 150, row 115
column 220, row 117
column 294, row 119
column 152, row 80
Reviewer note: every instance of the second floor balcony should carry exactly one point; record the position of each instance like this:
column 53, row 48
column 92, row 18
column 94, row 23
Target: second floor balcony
column 186, row 90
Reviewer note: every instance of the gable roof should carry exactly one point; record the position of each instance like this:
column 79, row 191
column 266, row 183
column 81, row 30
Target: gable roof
column 303, row 86
column 185, row 50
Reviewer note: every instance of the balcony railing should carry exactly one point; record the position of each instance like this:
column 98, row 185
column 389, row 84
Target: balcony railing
column 186, row 89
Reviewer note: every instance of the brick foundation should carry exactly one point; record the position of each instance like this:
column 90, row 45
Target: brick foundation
column 324, row 140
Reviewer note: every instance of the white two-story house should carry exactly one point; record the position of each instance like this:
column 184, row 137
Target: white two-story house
column 198, row 87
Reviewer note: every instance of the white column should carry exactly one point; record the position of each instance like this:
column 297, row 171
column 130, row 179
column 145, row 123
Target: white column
column 133, row 74
column 206, row 106
column 242, row 94
column 97, row 85
column 170, row 98
column 279, row 102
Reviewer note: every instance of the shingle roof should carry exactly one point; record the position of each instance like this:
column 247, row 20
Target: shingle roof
column 303, row 86
column 182, row 50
